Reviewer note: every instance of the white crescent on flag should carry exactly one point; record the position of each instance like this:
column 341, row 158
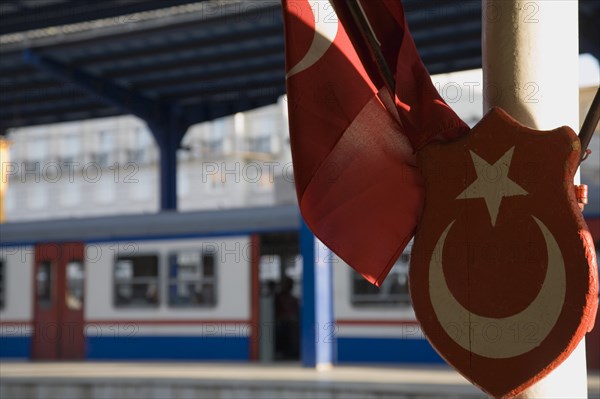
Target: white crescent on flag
column 495, row 337
column 325, row 32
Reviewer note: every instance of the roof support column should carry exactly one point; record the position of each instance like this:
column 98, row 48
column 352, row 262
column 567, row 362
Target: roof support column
column 168, row 137
column 530, row 69
column 317, row 321
column 167, row 121
column 168, row 173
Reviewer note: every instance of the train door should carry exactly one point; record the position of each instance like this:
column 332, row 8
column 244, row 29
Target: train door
column 58, row 283
column 280, row 276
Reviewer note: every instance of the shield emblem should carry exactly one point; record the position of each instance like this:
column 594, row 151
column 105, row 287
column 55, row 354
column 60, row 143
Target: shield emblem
column 503, row 273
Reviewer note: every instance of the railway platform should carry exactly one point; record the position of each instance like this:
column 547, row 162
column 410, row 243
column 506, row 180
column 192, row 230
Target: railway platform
column 95, row 380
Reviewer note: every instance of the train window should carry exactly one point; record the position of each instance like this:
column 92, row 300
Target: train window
column 192, row 279
column 136, row 281
column 43, row 280
column 2, row 282
column 74, row 294
column 393, row 291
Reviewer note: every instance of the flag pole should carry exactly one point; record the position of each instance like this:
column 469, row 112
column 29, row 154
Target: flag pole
column 362, row 24
column 530, row 69
column 589, row 125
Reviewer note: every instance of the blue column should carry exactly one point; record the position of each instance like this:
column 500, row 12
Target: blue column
column 317, row 322
column 167, row 121
column 168, row 138
column 168, row 174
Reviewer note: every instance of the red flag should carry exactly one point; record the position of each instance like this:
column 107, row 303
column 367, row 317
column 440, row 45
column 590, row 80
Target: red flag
column 353, row 145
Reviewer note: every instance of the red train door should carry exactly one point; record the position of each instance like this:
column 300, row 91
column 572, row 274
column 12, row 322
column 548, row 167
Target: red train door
column 58, row 282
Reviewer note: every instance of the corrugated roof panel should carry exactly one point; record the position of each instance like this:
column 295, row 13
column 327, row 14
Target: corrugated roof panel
column 209, row 52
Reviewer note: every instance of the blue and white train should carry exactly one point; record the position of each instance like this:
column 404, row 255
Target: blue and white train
column 198, row 286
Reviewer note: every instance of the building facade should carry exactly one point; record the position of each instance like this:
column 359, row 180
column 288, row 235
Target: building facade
column 110, row 166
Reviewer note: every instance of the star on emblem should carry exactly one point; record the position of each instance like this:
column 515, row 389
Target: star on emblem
column 492, row 183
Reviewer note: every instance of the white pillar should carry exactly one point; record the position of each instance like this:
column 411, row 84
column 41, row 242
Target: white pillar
column 530, row 69
column 531, row 61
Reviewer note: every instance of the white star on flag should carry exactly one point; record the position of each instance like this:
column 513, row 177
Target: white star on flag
column 492, row 183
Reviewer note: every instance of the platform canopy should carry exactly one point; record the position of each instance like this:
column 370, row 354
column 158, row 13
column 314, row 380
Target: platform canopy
column 65, row 60
column 24, row 15
column 176, row 63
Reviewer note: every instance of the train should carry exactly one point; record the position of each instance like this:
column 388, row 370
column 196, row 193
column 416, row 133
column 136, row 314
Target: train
column 218, row 285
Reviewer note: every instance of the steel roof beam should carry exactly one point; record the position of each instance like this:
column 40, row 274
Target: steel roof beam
column 213, row 78
column 49, row 92
column 201, row 73
column 128, row 101
column 256, row 17
column 32, row 81
column 191, row 40
column 33, row 96
column 196, row 58
column 166, row 121
column 45, row 119
column 70, row 12
column 57, row 106
column 85, row 104
column 237, row 85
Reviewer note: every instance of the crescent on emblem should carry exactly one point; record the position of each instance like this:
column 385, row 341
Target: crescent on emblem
column 325, row 32
column 495, row 337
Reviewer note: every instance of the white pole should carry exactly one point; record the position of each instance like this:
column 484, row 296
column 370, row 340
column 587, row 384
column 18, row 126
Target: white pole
column 530, row 69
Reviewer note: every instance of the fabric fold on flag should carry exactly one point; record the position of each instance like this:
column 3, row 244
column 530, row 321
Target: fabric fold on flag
column 423, row 113
column 353, row 145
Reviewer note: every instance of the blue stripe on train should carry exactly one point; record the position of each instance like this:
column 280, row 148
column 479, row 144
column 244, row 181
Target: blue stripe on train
column 15, row 347
column 365, row 350
column 386, row 350
column 168, row 348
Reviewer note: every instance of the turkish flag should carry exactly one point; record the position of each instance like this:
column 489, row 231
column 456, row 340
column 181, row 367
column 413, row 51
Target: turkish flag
column 353, row 144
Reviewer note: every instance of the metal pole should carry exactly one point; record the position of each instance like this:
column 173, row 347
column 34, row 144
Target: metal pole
column 363, row 26
column 530, row 69
column 589, row 125
column 317, row 322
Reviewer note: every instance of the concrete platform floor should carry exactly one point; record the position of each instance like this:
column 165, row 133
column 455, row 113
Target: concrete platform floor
column 231, row 380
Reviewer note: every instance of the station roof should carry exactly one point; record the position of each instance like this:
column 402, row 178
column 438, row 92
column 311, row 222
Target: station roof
column 24, row 15
column 229, row 222
column 214, row 58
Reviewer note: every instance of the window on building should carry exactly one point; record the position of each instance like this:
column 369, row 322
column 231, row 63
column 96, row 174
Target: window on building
column 38, row 196
column 260, row 144
column 70, row 148
column 2, row 283
column 14, row 153
column 142, row 143
column 192, row 279
column 265, row 181
column 215, row 183
column 36, row 156
column 393, row 291
column 213, row 137
column 136, row 281
column 261, row 131
column 143, row 191
column 105, row 189
column 103, row 156
column 37, row 149
column 70, row 194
